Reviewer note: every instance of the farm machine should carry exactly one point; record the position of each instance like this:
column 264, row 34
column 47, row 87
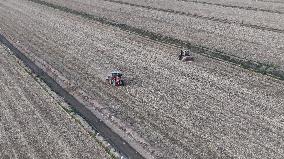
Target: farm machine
column 115, row 79
column 185, row 55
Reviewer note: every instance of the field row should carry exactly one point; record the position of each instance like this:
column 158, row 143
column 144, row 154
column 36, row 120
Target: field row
column 250, row 43
column 182, row 110
column 267, row 19
column 263, row 6
column 33, row 124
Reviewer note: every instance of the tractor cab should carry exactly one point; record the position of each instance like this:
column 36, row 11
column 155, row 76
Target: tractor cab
column 115, row 78
column 116, row 74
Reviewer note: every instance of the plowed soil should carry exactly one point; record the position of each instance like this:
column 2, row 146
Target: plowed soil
column 32, row 123
column 202, row 109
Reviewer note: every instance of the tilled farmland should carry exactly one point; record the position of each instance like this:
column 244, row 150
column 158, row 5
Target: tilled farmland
column 32, row 123
column 203, row 109
column 257, row 37
column 272, row 6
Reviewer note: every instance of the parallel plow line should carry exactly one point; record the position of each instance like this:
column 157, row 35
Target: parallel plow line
column 256, row 66
column 109, row 135
column 235, row 6
column 193, row 15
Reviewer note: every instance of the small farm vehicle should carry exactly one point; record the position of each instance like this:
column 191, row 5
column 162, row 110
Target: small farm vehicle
column 186, row 55
column 115, row 79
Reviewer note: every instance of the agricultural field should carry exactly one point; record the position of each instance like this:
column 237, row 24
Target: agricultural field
column 273, row 6
column 203, row 109
column 251, row 34
column 32, row 123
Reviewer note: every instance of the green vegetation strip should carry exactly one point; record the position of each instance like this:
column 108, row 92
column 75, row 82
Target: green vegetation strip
column 263, row 68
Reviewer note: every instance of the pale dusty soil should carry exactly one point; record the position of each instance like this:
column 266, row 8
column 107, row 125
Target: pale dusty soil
column 245, row 42
column 203, row 109
column 33, row 124
column 272, row 20
column 272, row 5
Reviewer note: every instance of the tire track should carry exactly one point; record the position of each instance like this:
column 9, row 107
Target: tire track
column 169, row 117
column 116, row 141
column 268, row 1
column 255, row 66
column 234, row 6
column 225, row 21
column 43, row 41
column 153, row 123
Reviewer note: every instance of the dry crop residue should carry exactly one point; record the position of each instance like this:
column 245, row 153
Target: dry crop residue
column 232, row 38
column 32, row 123
column 206, row 109
column 265, row 6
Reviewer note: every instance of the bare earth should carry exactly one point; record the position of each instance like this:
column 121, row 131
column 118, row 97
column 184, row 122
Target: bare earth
column 32, row 123
column 203, row 109
column 223, row 32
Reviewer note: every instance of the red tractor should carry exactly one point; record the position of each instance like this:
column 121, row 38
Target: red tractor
column 115, row 79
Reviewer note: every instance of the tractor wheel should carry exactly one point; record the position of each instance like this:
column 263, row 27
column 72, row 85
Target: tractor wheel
column 113, row 83
column 122, row 83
